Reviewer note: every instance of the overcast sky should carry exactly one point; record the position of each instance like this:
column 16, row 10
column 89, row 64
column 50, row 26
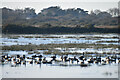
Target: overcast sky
column 64, row 4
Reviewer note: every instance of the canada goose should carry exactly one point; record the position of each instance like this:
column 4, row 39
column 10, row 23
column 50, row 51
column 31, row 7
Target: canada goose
column 47, row 62
column 91, row 60
column 38, row 62
column 53, row 57
column 75, row 58
column 82, row 64
column 3, row 60
column 31, row 62
column 44, row 60
column 118, row 61
column 40, row 56
column 9, row 59
column 108, row 60
column 96, row 62
column 62, row 58
column 14, row 59
column 18, row 56
column 3, row 56
column 34, row 56
column 71, row 59
column 103, row 62
column 24, row 56
column 65, row 58
column 18, row 62
column 81, row 57
column 24, row 62
column 98, row 59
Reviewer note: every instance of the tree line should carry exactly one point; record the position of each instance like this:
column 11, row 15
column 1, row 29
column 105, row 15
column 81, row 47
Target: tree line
column 55, row 18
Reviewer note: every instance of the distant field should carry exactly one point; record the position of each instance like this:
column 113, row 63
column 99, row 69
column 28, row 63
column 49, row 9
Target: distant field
column 107, row 27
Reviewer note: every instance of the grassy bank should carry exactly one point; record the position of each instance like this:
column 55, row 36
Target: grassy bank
column 31, row 47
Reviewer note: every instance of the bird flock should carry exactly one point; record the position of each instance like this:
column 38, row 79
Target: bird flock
column 63, row 60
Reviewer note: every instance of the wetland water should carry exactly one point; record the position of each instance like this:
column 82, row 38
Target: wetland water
column 92, row 45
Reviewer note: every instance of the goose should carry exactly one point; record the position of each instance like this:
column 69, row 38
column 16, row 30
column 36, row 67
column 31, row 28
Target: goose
column 34, row 56
column 24, row 56
column 18, row 56
column 38, row 62
column 103, row 62
column 9, row 59
column 118, row 61
column 91, row 60
column 3, row 56
column 31, row 62
column 82, row 64
column 40, row 56
column 46, row 62
column 108, row 60
column 113, row 59
column 18, row 62
column 24, row 62
column 53, row 57
column 81, row 57
column 98, row 59
column 3, row 60
column 65, row 58
column 62, row 58
column 73, row 59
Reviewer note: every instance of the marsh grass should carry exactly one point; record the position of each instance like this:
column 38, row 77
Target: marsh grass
column 31, row 47
column 108, row 41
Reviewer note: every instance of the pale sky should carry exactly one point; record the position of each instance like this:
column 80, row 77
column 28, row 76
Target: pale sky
column 64, row 4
